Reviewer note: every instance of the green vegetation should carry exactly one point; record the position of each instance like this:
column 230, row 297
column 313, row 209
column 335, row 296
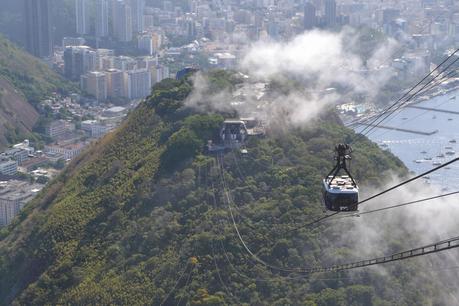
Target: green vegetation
column 28, row 74
column 137, row 210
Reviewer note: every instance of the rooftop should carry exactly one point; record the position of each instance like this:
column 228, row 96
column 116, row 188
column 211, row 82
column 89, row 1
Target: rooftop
column 18, row 190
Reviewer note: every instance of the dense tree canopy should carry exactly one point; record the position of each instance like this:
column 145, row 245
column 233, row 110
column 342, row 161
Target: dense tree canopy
column 141, row 219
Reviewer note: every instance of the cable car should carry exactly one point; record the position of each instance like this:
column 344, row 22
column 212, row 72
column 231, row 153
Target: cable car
column 340, row 192
column 233, row 132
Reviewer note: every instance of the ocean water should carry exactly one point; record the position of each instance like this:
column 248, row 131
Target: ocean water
column 420, row 152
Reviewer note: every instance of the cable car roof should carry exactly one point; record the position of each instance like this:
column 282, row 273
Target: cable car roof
column 340, row 184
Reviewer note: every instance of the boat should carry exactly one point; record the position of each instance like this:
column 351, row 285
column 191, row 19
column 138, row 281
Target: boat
column 418, row 161
column 441, row 155
column 423, row 152
column 447, row 168
column 450, row 119
column 426, row 177
column 448, row 148
column 453, row 98
column 452, row 152
column 452, row 141
column 428, row 158
column 404, row 118
column 436, row 163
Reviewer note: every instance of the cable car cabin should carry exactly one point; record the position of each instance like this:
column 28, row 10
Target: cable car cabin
column 233, row 132
column 340, row 193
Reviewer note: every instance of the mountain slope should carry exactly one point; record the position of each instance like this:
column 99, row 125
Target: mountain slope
column 28, row 74
column 17, row 116
column 140, row 219
column 24, row 81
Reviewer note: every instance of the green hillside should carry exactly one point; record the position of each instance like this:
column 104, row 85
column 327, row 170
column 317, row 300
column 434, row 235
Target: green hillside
column 24, row 82
column 28, row 74
column 140, row 219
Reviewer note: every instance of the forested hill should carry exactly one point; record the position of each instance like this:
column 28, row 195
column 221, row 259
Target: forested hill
column 24, row 81
column 140, row 219
column 28, row 74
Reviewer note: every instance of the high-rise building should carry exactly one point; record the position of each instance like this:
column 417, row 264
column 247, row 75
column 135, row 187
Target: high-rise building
column 104, row 58
column 157, row 40
column 124, row 63
column 102, row 18
column 145, row 43
column 14, row 195
column 137, row 15
column 78, row 60
column 330, row 13
column 190, row 28
column 310, row 18
column 159, row 73
column 122, row 21
column 82, row 17
column 115, row 83
column 137, row 83
column 95, row 84
column 38, row 28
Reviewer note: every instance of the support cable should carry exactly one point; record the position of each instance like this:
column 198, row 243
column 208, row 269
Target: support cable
column 412, row 89
column 397, row 206
column 376, row 195
column 424, row 250
column 388, row 112
column 176, row 284
column 448, row 76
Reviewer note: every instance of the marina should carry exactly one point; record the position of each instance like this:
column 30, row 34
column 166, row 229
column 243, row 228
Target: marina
column 420, row 150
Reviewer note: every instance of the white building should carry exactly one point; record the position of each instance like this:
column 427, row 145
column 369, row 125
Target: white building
column 145, row 43
column 94, row 128
column 225, row 60
column 13, row 196
column 17, row 154
column 137, row 83
column 8, row 166
column 95, row 84
column 115, row 83
column 159, row 73
column 82, row 17
column 57, row 128
column 104, row 58
column 124, row 63
column 68, row 151
column 101, row 18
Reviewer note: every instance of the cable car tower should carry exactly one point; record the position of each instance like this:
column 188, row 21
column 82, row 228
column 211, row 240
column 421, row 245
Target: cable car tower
column 341, row 192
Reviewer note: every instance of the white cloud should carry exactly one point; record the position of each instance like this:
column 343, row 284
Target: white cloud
column 316, row 59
